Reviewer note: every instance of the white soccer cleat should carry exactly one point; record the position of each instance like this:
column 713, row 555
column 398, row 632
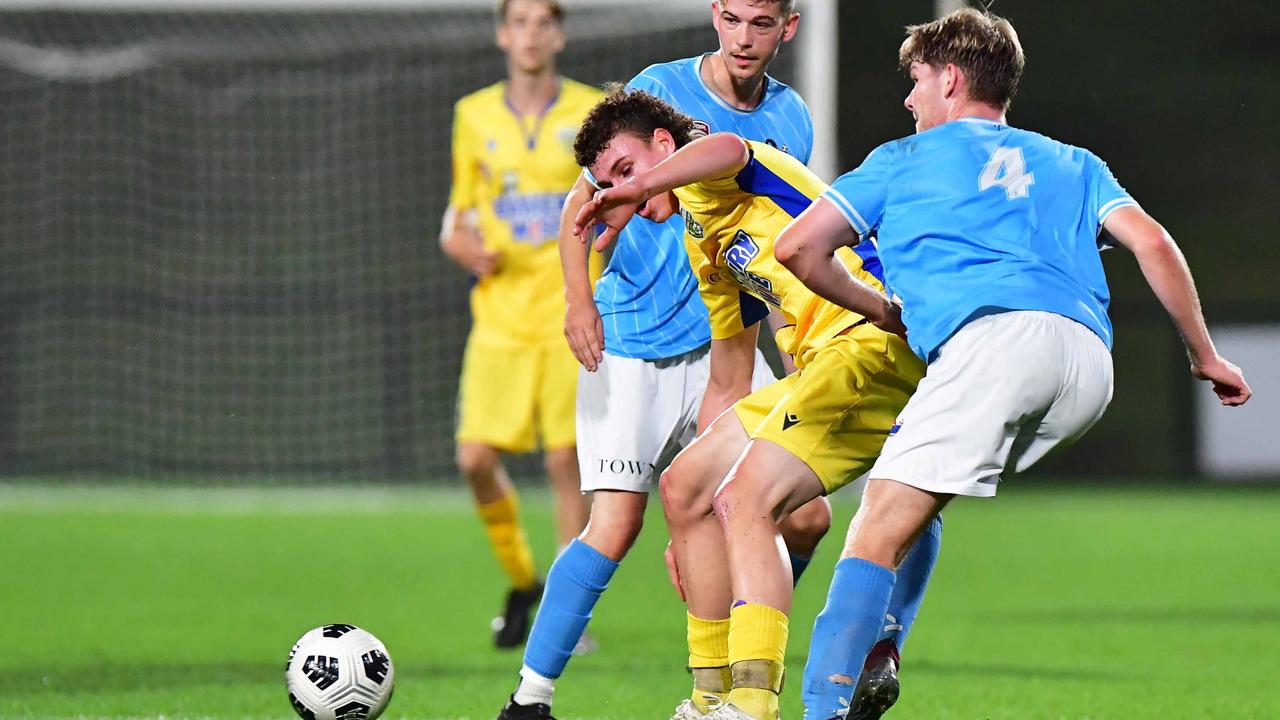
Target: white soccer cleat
column 688, row 711
column 729, row 711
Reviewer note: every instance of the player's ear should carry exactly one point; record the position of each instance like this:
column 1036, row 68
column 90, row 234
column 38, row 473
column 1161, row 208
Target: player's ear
column 789, row 27
column 951, row 76
column 664, row 138
column 560, row 38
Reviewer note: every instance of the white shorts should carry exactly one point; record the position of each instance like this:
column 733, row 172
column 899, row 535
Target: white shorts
column 1003, row 392
column 633, row 416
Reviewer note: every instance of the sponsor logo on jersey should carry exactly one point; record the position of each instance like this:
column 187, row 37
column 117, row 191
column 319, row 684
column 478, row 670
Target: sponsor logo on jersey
column 700, row 129
column 534, row 218
column 739, row 254
column 693, row 227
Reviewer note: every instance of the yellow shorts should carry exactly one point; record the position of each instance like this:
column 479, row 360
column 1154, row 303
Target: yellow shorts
column 835, row 413
column 510, row 397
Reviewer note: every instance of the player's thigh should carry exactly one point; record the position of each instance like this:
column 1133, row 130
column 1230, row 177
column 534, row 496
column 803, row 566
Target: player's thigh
column 842, row 405
column 993, row 378
column 498, row 396
column 557, row 395
column 769, row 479
column 626, row 414
column 1084, row 391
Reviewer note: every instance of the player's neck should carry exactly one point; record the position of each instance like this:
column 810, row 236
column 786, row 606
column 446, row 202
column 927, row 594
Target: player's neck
column 531, row 93
column 979, row 110
column 740, row 94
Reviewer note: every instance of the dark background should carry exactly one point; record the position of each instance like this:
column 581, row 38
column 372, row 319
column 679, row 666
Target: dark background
column 217, row 231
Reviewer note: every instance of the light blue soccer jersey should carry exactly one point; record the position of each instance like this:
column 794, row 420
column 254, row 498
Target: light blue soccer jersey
column 648, row 297
column 974, row 217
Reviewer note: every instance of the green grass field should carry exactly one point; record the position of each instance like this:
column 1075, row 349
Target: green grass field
column 1047, row 603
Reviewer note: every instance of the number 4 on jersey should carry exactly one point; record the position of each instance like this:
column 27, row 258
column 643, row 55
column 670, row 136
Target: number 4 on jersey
column 1007, row 169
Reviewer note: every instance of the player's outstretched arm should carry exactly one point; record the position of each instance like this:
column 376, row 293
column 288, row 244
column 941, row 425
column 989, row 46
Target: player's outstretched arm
column 710, row 158
column 583, row 328
column 733, row 360
column 807, row 247
column 1166, row 271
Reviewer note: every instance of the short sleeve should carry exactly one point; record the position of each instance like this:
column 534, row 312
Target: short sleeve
column 859, row 195
column 462, row 191
column 1109, row 195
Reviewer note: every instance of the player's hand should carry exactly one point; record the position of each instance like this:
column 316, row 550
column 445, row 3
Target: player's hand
column 466, row 247
column 613, row 207
column 890, row 320
column 673, row 572
column 584, row 330
column 1228, row 381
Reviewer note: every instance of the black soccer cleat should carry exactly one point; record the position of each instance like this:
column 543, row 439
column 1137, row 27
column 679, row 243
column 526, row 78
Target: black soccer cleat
column 512, row 628
column 877, row 691
column 515, row 711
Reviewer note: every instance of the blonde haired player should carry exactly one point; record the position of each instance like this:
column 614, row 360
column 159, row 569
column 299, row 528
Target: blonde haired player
column 512, row 166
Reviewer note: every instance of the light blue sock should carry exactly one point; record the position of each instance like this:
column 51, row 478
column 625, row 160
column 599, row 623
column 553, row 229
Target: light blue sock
column 908, row 589
column 798, row 564
column 574, row 585
column 843, row 633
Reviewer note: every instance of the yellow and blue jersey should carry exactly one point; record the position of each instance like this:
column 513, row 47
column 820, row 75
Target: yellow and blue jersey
column 513, row 172
column 730, row 228
column 647, row 297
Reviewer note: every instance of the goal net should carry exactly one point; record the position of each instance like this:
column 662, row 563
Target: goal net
column 218, row 230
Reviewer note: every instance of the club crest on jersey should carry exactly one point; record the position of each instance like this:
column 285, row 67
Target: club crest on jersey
column 700, row 129
column 739, row 254
column 692, row 226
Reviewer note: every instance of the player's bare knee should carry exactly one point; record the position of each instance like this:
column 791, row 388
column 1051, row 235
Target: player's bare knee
column 684, row 498
column 478, row 463
column 614, row 534
column 561, row 466
column 749, row 494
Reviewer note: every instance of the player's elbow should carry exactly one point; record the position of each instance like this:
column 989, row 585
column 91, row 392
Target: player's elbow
column 791, row 251
column 1153, row 241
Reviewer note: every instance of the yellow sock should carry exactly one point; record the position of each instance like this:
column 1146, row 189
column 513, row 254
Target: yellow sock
column 502, row 523
column 757, row 645
column 709, row 660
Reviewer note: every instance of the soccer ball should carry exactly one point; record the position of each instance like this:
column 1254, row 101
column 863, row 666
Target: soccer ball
column 339, row 672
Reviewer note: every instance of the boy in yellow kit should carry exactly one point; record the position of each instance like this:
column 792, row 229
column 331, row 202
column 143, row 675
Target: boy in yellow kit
column 512, row 166
column 804, row 436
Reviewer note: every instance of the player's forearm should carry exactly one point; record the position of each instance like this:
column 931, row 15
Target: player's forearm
column 718, row 398
column 710, row 158
column 575, row 251
column 822, row 272
column 1166, row 271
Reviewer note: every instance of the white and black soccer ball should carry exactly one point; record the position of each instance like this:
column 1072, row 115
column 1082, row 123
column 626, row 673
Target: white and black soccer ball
column 339, row 672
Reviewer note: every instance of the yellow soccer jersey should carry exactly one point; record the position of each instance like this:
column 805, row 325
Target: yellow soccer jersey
column 730, row 228
column 514, row 173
